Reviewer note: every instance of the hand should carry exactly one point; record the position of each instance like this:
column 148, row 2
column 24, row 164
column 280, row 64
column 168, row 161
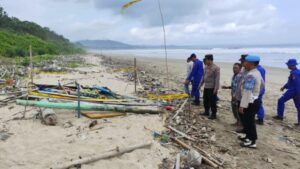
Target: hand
column 241, row 110
column 187, row 82
column 282, row 89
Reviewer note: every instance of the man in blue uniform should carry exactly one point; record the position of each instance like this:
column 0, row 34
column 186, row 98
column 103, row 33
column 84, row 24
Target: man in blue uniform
column 196, row 77
column 261, row 112
column 293, row 91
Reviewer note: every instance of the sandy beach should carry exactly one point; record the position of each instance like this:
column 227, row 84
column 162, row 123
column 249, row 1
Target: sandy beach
column 34, row 145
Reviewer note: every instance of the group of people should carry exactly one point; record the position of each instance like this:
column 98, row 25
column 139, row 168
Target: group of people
column 247, row 92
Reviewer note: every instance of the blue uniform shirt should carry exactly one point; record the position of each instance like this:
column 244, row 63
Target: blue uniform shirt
column 262, row 71
column 294, row 81
column 197, row 72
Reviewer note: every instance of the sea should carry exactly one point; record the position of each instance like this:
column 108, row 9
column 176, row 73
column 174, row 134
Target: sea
column 270, row 56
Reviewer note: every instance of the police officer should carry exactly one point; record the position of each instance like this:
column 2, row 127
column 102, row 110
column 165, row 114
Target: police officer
column 293, row 91
column 261, row 112
column 250, row 102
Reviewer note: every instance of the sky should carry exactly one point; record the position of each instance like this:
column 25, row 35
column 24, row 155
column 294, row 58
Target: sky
column 187, row 22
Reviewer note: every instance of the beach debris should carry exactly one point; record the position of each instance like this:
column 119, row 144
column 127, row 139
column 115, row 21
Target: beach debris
column 180, row 110
column 177, row 164
column 117, row 152
column 48, row 117
column 4, row 135
column 181, row 133
column 101, row 115
column 192, row 158
column 267, row 159
column 93, row 123
column 68, row 124
column 168, row 97
column 187, row 147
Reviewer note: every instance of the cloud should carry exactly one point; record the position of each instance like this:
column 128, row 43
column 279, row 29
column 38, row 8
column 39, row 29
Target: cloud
column 187, row 22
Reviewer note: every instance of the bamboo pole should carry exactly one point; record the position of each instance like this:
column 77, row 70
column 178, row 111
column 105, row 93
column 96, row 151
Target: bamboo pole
column 181, row 133
column 92, row 106
column 180, row 109
column 31, row 65
column 135, row 75
column 118, row 152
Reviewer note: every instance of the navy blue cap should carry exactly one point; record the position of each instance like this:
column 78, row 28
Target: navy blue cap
column 292, row 62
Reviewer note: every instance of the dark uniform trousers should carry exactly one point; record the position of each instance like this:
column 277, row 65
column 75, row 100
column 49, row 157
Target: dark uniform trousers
column 210, row 101
column 248, row 120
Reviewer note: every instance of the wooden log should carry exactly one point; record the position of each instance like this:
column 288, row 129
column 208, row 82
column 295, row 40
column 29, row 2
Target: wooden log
column 205, row 159
column 181, row 133
column 107, row 155
column 180, row 109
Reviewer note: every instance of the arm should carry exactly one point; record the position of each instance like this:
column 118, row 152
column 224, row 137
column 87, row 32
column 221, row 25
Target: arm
column 287, row 84
column 217, row 76
column 193, row 73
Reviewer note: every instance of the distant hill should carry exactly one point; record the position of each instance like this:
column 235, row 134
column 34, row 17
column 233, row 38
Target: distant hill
column 105, row 44
column 110, row 44
column 16, row 36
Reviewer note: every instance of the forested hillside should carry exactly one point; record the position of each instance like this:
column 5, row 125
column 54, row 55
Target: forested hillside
column 16, row 36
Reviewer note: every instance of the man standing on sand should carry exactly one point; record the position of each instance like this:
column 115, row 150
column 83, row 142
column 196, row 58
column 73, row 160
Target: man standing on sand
column 293, row 91
column 234, row 103
column 195, row 77
column 211, row 83
column 261, row 112
column 250, row 102
column 188, row 72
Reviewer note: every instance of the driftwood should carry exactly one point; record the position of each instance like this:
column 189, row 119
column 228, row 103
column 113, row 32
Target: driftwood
column 181, row 133
column 103, row 156
column 180, row 109
column 205, row 159
column 177, row 166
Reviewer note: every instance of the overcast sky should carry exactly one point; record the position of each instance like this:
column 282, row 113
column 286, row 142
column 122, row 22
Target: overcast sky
column 188, row 22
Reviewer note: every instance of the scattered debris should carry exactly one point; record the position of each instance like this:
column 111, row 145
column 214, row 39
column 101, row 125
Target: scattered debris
column 4, row 135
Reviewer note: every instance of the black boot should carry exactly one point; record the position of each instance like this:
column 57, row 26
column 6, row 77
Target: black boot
column 212, row 116
column 204, row 114
column 260, row 122
column 278, row 118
